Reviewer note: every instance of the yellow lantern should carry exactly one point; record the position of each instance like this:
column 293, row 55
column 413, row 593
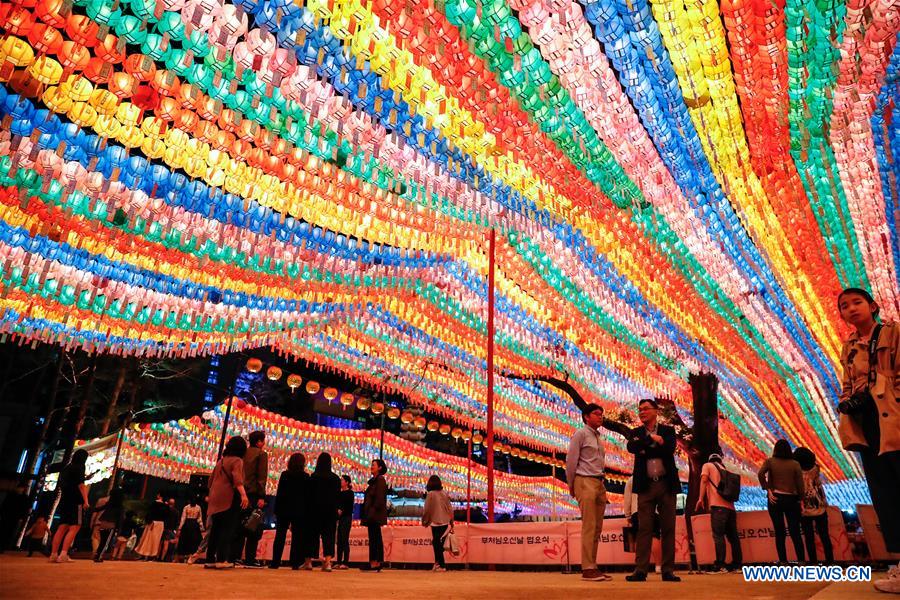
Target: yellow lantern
column 254, row 365
column 46, row 70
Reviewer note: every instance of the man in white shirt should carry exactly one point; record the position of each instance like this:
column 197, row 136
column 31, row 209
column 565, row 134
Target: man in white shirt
column 585, row 464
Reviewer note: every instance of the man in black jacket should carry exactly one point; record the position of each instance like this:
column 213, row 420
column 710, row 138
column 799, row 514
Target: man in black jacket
column 656, row 484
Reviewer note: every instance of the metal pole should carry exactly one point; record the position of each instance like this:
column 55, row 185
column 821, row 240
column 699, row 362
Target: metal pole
column 381, row 445
column 113, row 480
column 225, row 425
column 469, row 486
column 490, row 378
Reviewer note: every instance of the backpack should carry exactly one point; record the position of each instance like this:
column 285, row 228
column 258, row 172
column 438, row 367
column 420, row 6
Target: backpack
column 814, row 502
column 729, row 486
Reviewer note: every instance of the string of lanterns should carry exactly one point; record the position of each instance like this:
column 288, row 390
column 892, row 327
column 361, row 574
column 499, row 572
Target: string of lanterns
column 672, row 192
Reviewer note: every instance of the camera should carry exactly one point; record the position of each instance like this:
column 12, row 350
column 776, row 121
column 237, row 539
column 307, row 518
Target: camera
column 856, row 403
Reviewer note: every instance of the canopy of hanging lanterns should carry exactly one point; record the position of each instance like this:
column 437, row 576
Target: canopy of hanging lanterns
column 674, row 188
column 176, row 449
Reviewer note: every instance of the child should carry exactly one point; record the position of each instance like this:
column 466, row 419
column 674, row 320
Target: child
column 36, row 534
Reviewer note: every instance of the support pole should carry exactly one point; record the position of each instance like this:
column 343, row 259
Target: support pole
column 225, row 425
column 469, row 486
column 490, row 376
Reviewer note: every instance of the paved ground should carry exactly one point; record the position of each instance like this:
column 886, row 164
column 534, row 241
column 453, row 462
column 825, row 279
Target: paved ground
column 22, row 577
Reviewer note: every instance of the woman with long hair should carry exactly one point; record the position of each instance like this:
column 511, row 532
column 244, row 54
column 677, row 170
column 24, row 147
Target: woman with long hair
column 782, row 478
column 290, row 504
column 374, row 513
column 190, row 528
column 73, row 500
column 326, row 487
column 227, row 497
column 438, row 515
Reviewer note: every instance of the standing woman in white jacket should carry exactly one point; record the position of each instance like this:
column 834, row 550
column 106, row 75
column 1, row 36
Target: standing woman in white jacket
column 439, row 516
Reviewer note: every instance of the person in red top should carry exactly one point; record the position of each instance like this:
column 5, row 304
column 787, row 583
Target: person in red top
column 723, row 517
column 227, row 498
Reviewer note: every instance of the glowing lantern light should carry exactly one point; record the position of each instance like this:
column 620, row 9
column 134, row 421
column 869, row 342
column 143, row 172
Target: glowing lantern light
column 456, row 433
column 433, row 425
column 378, row 408
column 294, row 381
column 393, row 412
column 273, row 373
column 330, row 393
column 254, row 365
column 477, row 438
column 347, row 399
column 312, row 387
column 363, row 404
column 406, row 418
column 445, row 429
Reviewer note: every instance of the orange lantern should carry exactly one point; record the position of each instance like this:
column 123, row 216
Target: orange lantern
column 477, row 438
column 433, row 425
column 466, row 435
column 254, row 365
column 363, row 404
column 378, row 408
column 406, row 418
column 393, row 412
column 273, row 373
column 312, row 387
column 347, row 399
column 294, row 381
column 330, row 393
column 444, row 429
column 456, row 433
column 419, row 422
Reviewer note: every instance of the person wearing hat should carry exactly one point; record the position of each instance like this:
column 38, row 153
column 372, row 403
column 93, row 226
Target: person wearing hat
column 585, row 464
column 722, row 515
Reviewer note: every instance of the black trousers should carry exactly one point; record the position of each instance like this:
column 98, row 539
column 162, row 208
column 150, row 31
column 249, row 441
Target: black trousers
column 376, row 544
column 657, row 499
column 437, row 532
column 787, row 507
column 883, row 477
column 324, row 531
column 32, row 544
column 811, row 526
column 221, row 534
column 343, row 540
column 246, row 543
column 297, row 552
column 724, row 525
column 106, row 535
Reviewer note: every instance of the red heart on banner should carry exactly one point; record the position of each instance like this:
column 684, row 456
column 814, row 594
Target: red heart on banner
column 557, row 550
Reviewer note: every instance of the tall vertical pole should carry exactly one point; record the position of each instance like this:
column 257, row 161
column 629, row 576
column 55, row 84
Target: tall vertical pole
column 469, row 486
column 225, row 424
column 490, row 377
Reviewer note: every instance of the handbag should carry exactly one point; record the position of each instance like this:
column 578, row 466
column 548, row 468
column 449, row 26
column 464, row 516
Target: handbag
column 451, row 544
column 254, row 521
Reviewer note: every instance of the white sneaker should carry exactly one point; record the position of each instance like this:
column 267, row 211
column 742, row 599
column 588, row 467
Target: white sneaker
column 64, row 558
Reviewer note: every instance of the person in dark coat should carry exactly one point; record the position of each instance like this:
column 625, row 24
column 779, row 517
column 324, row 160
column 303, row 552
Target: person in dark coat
column 290, row 506
column 325, row 488
column 345, row 521
column 374, row 513
column 656, row 484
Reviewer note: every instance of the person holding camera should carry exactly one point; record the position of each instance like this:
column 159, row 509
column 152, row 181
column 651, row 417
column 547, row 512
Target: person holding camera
column 870, row 405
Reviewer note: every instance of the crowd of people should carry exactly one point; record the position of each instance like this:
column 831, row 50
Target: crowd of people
column 869, row 407
column 317, row 507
